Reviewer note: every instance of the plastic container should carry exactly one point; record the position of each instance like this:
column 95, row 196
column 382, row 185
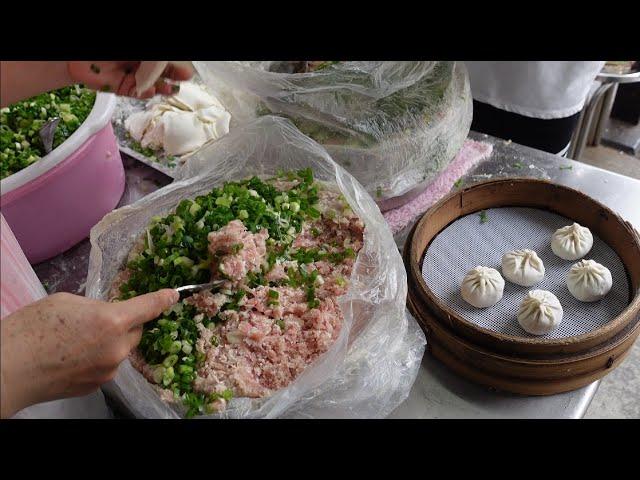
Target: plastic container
column 52, row 204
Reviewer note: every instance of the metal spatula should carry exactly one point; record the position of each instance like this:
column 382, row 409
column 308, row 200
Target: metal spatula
column 187, row 290
column 47, row 132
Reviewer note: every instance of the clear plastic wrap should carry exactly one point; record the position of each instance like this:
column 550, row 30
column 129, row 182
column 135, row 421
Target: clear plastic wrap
column 392, row 125
column 369, row 369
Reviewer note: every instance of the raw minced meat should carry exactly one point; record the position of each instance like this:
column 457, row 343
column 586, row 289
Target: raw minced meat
column 237, row 251
column 274, row 335
column 257, row 356
column 207, row 302
column 279, row 308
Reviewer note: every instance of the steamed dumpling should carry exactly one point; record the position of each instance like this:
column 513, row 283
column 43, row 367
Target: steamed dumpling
column 482, row 287
column 540, row 312
column 589, row 281
column 522, row 267
column 572, row 242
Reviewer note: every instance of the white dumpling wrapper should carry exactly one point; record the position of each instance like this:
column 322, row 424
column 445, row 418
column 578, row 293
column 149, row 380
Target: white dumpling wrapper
column 540, row 312
column 523, row 267
column 138, row 123
column 171, row 124
column 482, row 287
column 154, row 136
column 216, row 121
column 572, row 242
column 589, row 281
column 193, row 97
column 183, row 133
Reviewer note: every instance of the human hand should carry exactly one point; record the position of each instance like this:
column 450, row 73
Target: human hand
column 67, row 345
column 119, row 77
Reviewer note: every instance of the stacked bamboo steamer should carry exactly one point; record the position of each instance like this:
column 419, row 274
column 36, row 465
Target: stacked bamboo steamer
column 522, row 364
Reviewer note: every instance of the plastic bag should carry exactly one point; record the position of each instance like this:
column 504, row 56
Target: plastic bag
column 369, row 369
column 20, row 284
column 20, row 287
column 392, row 125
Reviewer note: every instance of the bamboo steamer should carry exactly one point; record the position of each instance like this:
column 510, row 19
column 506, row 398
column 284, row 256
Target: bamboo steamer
column 531, row 366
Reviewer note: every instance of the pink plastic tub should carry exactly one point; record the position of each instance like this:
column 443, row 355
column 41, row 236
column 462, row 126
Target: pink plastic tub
column 52, row 204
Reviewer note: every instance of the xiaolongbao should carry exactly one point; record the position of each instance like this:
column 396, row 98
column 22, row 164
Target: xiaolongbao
column 522, row 267
column 540, row 312
column 589, row 281
column 572, row 242
column 482, row 287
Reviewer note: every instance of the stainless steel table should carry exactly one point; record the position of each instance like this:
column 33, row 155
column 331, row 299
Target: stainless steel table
column 437, row 393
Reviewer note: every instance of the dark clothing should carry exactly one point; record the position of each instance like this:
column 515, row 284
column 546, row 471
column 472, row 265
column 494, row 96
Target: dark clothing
column 548, row 135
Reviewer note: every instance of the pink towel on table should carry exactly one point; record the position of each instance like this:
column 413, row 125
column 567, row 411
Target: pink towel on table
column 469, row 155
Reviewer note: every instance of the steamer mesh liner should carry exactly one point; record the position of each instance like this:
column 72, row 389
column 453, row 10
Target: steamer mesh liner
column 467, row 243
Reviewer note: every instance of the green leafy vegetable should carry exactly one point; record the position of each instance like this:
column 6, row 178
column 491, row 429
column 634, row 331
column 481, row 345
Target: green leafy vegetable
column 20, row 124
column 176, row 252
column 483, row 217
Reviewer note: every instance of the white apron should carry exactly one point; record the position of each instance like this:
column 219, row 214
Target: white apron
column 545, row 90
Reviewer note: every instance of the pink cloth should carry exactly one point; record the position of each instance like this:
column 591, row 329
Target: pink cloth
column 19, row 284
column 469, row 155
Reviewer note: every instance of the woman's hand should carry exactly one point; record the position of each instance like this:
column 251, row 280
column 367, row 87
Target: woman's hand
column 119, row 77
column 22, row 80
column 66, row 345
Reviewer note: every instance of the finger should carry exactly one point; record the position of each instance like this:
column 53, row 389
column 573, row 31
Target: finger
column 180, row 72
column 165, row 88
column 129, row 68
column 144, row 308
column 127, row 86
column 146, row 94
column 133, row 92
column 133, row 337
column 105, row 76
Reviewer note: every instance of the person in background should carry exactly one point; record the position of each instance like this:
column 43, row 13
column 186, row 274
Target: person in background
column 67, row 345
column 534, row 103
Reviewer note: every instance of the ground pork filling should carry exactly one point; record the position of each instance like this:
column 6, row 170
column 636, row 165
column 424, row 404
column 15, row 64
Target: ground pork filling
column 273, row 332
